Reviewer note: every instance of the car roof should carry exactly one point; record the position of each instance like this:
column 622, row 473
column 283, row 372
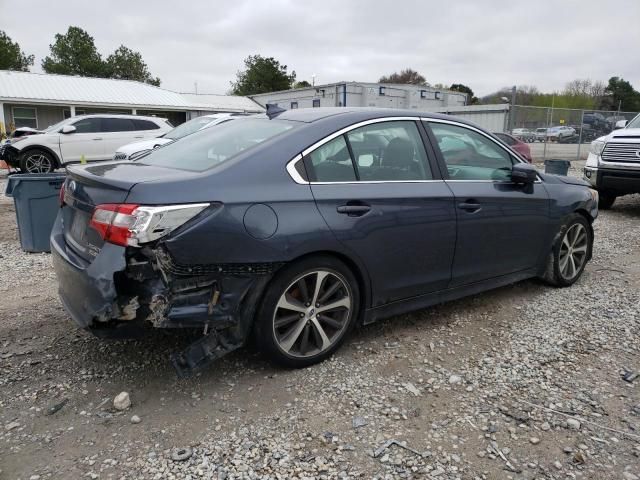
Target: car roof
column 116, row 115
column 308, row 115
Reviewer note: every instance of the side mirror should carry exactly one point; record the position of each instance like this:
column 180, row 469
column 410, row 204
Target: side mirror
column 523, row 173
column 621, row 124
column 68, row 129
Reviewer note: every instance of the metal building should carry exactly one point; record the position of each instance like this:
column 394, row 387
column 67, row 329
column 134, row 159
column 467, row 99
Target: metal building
column 38, row 100
column 359, row 94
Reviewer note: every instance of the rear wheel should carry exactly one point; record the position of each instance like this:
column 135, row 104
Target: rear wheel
column 605, row 200
column 307, row 311
column 570, row 253
column 37, row 161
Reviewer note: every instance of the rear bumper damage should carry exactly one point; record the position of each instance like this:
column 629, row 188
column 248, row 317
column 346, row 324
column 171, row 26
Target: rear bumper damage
column 124, row 292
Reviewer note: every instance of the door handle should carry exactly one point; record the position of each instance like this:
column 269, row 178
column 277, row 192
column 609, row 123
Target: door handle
column 139, row 137
column 470, row 206
column 353, row 210
column 96, row 139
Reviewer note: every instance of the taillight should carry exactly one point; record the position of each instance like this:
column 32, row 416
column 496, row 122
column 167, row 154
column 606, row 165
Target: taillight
column 129, row 224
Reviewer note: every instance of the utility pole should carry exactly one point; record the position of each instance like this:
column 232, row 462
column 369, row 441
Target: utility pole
column 512, row 110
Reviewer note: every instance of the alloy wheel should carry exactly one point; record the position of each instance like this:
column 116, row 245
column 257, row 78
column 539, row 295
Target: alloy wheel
column 38, row 163
column 573, row 251
column 312, row 313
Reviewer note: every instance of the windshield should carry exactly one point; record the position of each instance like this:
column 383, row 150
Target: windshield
column 56, row 126
column 188, row 128
column 212, row 146
column 635, row 123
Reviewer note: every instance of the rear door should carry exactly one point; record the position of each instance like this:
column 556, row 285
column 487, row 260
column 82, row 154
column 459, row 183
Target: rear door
column 86, row 142
column 118, row 132
column 377, row 190
column 147, row 128
column 502, row 226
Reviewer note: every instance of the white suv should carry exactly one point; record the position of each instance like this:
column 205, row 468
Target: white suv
column 85, row 137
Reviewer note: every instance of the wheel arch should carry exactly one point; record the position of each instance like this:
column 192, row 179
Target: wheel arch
column 30, row 148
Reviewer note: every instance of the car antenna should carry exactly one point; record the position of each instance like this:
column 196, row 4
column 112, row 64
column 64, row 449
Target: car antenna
column 273, row 110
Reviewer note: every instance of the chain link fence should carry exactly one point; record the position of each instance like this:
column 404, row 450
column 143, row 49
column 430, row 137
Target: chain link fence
column 561, row 133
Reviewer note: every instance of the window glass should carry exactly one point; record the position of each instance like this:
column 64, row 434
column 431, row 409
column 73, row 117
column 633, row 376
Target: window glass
column 389, row 151
column 331, row 162
column 117, row 125
column 24, row 117
column 88, row 125
column 470, row 155
column 316, row 103
column 212, row 146
column 505, row 138
column 145, row 125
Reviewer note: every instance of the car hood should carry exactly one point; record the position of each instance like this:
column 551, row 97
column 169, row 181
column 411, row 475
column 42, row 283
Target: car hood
column 135, row 147
column 624, row 134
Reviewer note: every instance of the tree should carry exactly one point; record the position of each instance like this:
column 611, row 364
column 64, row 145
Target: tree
column 262, row 75
column 11, row 57
column 622, row 95
column 459, row 87
column 302, row 84
column 406, row 76
column 74, row 53
column 126, row 64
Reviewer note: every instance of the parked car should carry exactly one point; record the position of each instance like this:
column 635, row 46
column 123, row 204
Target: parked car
column 516, row 144
column 296, row 225
column 597, row 121
column 613, row 164
column 560, row 133
column 135, row 149
column 541, row 134
column 524, row 134
column 88, row 137
column 584, row 133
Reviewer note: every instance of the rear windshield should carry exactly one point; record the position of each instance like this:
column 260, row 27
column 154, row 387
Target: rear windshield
column 188, row 128
column 210, row 147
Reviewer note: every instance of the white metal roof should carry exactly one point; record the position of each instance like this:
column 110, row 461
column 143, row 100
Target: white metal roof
column 74, row 90
column 224, row 102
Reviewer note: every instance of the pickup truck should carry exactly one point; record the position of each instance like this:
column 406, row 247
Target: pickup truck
column 613, row 164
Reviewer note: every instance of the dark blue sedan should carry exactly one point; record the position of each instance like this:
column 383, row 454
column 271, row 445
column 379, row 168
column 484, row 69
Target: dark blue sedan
column 293, row 227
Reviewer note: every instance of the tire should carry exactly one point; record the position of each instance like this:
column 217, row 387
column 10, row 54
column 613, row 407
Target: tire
column 289, row 327
column 570, row 252
column 37, row 161
column 605, row 200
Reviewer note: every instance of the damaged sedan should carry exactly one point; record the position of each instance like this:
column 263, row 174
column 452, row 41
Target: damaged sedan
column 294, row 226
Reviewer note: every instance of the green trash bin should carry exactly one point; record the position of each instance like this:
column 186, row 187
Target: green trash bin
column 36, row 198
column 557, row 167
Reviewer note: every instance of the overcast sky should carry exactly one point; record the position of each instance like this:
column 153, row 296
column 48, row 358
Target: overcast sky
column 486, row 44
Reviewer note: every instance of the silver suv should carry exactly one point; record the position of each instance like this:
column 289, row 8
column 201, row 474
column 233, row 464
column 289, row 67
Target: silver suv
column 613, row 164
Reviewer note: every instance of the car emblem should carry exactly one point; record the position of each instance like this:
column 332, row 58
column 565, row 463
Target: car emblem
column 638, row 153
column 72, row 186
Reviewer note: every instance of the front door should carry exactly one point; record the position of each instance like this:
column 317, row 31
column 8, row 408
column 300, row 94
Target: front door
column 86, row 142
column 375, row 188
column 502, row 226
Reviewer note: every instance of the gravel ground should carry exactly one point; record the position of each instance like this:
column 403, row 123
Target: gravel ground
column 521, row 382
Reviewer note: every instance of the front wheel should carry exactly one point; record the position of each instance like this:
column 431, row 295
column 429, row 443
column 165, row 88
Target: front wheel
column 308, row 309
column 570, row 253
column 37, row 161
